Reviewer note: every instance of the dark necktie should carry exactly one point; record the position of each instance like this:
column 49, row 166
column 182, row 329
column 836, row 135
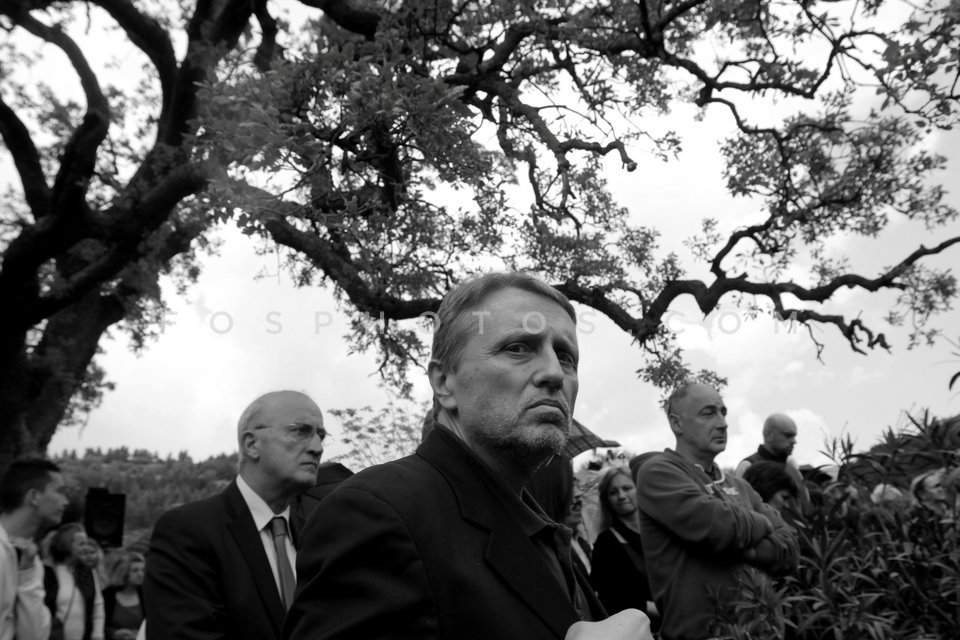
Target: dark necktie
column 278, row 527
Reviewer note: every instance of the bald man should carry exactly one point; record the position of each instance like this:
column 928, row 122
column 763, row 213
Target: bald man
column 225, row 567
column 703, row 531
column 779, row 439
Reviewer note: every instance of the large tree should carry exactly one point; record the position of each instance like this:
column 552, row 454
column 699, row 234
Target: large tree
column 393, row 147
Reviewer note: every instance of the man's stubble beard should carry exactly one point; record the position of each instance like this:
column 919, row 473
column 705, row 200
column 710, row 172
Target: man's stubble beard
column 523, row 448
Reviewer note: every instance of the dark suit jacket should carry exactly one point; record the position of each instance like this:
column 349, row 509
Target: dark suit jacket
column 421, row 548
column 208, row 575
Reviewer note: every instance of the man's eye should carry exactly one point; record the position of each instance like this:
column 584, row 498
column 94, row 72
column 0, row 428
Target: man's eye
column 567, row 359
column 305, row 431
column 517, row 347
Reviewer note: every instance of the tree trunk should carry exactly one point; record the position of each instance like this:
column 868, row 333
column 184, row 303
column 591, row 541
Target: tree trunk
column 37, row 386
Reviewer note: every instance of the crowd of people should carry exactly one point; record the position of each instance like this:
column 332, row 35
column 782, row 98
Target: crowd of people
column 480, row 534
column 60, row 584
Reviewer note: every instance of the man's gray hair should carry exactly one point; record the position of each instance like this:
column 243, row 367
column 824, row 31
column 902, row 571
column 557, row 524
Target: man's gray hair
column 253, row 414
column 452, row 324
column 681, row 392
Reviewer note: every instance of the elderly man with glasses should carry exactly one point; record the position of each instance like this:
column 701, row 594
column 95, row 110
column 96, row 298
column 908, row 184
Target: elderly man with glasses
column 224, row 567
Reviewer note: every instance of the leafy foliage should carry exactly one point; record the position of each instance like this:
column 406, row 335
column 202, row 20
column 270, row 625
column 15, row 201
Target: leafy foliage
column 887, row 570
column 152, row 485
column 394, row 148
column 378, row 436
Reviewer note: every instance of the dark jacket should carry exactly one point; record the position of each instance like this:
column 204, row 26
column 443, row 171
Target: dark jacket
column 208, row 575
column 421, row 548
column 619, row 574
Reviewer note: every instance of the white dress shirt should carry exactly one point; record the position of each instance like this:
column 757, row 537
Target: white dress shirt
column 262, row 515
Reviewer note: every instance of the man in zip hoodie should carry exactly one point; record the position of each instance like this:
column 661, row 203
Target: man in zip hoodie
column 704, row 532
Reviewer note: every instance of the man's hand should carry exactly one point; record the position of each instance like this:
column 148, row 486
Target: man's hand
column 629, row 624
column 26, row 552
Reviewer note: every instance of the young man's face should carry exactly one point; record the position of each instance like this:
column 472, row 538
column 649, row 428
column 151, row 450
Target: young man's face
column 51, row 502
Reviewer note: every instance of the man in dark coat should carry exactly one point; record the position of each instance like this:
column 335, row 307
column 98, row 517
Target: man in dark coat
column 222, row 568
column 446, row 543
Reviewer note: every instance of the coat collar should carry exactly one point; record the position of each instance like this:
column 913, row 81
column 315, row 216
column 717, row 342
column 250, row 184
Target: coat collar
column 510, row 553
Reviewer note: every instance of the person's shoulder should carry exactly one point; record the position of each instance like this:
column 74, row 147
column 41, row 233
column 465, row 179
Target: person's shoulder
column 664, row 461
column 193, row 515
column 397, row 478
column 605, row 537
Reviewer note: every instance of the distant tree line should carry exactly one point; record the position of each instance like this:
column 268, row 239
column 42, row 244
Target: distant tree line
column 152, row 484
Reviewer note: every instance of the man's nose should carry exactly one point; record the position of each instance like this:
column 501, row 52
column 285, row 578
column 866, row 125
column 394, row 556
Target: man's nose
column 549, row 370
column 316, row 444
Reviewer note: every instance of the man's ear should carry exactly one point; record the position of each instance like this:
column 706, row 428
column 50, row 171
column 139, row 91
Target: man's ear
column 442, row 383
column 675, row 424
column 31, row 497
column 250, row 445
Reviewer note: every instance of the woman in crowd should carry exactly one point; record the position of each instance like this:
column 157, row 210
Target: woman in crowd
column 619, row 574
column 72, row 587
column 928, row 490
column 123, row 600
column 776, row 487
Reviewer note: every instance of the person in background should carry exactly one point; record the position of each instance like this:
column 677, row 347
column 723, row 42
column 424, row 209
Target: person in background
column 582, row 549
column 31, row 499
column 619, row 572
column 928, row 491
column 72, row 588
column 704, row 532
column 951, row 484
column 775, row 486
column 224, row 567
column 123, row 600
column 91, row 555
column 779, row 440
column 888, row 495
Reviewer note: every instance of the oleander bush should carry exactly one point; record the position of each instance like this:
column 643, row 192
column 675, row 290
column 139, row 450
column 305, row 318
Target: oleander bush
column 867, row 570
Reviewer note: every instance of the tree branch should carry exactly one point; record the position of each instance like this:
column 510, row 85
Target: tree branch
column 330, row 257
column 79, row 156
column 267, row 48
column 336, row 264
column 148, row 36
column 348, row 16
column 26, row 158
column 155, row 206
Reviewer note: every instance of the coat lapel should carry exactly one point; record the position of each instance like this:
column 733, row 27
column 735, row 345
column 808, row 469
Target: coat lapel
column 510, row 553
column 247, row 537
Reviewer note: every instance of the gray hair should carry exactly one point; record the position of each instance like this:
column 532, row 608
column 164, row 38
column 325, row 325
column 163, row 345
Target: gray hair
column 452, row 328
column 251, row 416
column 681, row 392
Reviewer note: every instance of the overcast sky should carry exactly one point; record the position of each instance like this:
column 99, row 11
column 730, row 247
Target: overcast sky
column 235, row 337
column 224, row 347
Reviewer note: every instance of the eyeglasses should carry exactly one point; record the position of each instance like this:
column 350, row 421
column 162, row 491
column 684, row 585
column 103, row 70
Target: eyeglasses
column 300, row 431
